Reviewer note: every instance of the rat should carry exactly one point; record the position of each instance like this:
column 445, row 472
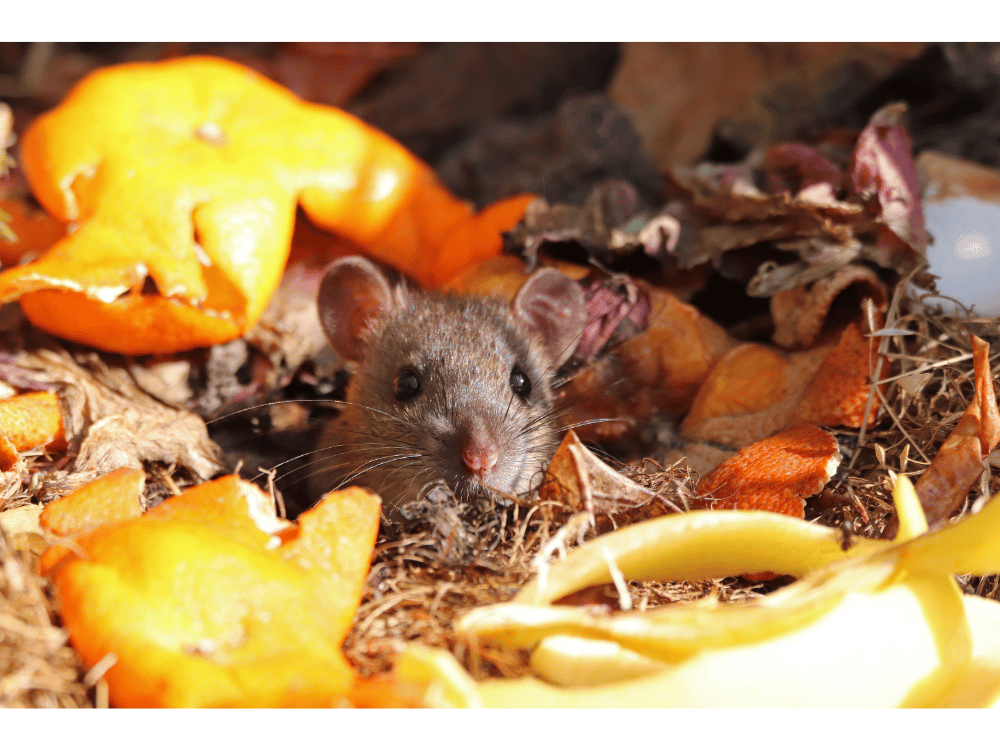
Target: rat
column 449, row 390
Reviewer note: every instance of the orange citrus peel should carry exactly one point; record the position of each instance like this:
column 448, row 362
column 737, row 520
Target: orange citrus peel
column 116, row 496
column 187, row 174
column 209, row 599
column 756, row 390
column 776, row 474
column 28, row 421
column 31, row 232
column 32, row 420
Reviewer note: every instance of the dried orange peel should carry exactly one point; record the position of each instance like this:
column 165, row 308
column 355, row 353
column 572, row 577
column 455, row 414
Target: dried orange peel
column 756, row 390
column 32, row 420
column 776, row 474
column 210, row 600
column 28, row 421
column 187, row 173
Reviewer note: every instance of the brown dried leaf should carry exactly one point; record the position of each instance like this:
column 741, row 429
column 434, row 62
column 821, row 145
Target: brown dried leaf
column 945, row 484
column 579, row 479
column 736, row 214
column 794, row 167
column 610, row 223
column 113, row 423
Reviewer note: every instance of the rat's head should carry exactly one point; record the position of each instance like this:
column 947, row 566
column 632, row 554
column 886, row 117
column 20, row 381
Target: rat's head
column 448, row 389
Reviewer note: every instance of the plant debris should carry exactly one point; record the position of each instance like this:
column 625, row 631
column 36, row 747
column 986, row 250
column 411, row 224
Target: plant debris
column 778, row 289
column 38, row 667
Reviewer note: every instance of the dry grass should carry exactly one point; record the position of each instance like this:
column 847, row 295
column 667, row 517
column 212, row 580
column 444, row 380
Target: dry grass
column 38, row 669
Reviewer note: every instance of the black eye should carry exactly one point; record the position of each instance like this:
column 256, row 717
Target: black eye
column 520, row 383
column 406, row 385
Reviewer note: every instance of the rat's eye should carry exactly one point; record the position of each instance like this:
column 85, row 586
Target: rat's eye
column 520, row 383
column 406, row 385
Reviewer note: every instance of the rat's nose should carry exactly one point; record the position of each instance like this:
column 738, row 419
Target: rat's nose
column 480, row 456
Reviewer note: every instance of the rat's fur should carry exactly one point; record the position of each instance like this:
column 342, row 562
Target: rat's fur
column 464, row 351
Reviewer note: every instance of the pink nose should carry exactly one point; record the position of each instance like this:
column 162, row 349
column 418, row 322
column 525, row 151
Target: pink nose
column 479, row 458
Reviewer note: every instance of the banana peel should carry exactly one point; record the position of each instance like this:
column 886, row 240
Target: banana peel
column 879, row 624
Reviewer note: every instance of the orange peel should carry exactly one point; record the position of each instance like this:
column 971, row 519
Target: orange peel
column 756, row 390
column 186, row 174
column 29, row 421
column 32, row 420
column 33, row 231
column 117, row 496
column 839, row 393
column 210, row 600
column 776, row 474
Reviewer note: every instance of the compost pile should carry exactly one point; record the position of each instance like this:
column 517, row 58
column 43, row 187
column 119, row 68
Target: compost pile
column 753, row 296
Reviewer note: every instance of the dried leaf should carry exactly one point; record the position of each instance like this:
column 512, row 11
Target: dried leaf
column 579, row 479
column 882, row 165
column 113, row 423
column 794, row 167
column 611, row 222
column 945, row 484
column 736, row 214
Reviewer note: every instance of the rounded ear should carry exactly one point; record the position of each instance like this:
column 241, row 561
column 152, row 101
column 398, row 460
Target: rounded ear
column 352, row 294
column 552, row 306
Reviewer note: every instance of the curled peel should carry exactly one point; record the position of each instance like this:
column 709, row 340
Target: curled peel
column 779, row 650
column 695, row 546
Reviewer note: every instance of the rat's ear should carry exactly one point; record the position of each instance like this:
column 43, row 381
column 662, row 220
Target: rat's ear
column 352, row 294
column 551, row 305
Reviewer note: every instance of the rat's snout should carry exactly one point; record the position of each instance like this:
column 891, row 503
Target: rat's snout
column 480, row 455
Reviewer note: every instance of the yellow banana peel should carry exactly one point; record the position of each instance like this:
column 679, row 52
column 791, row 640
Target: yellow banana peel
column 879, row 624
column 696, row 546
